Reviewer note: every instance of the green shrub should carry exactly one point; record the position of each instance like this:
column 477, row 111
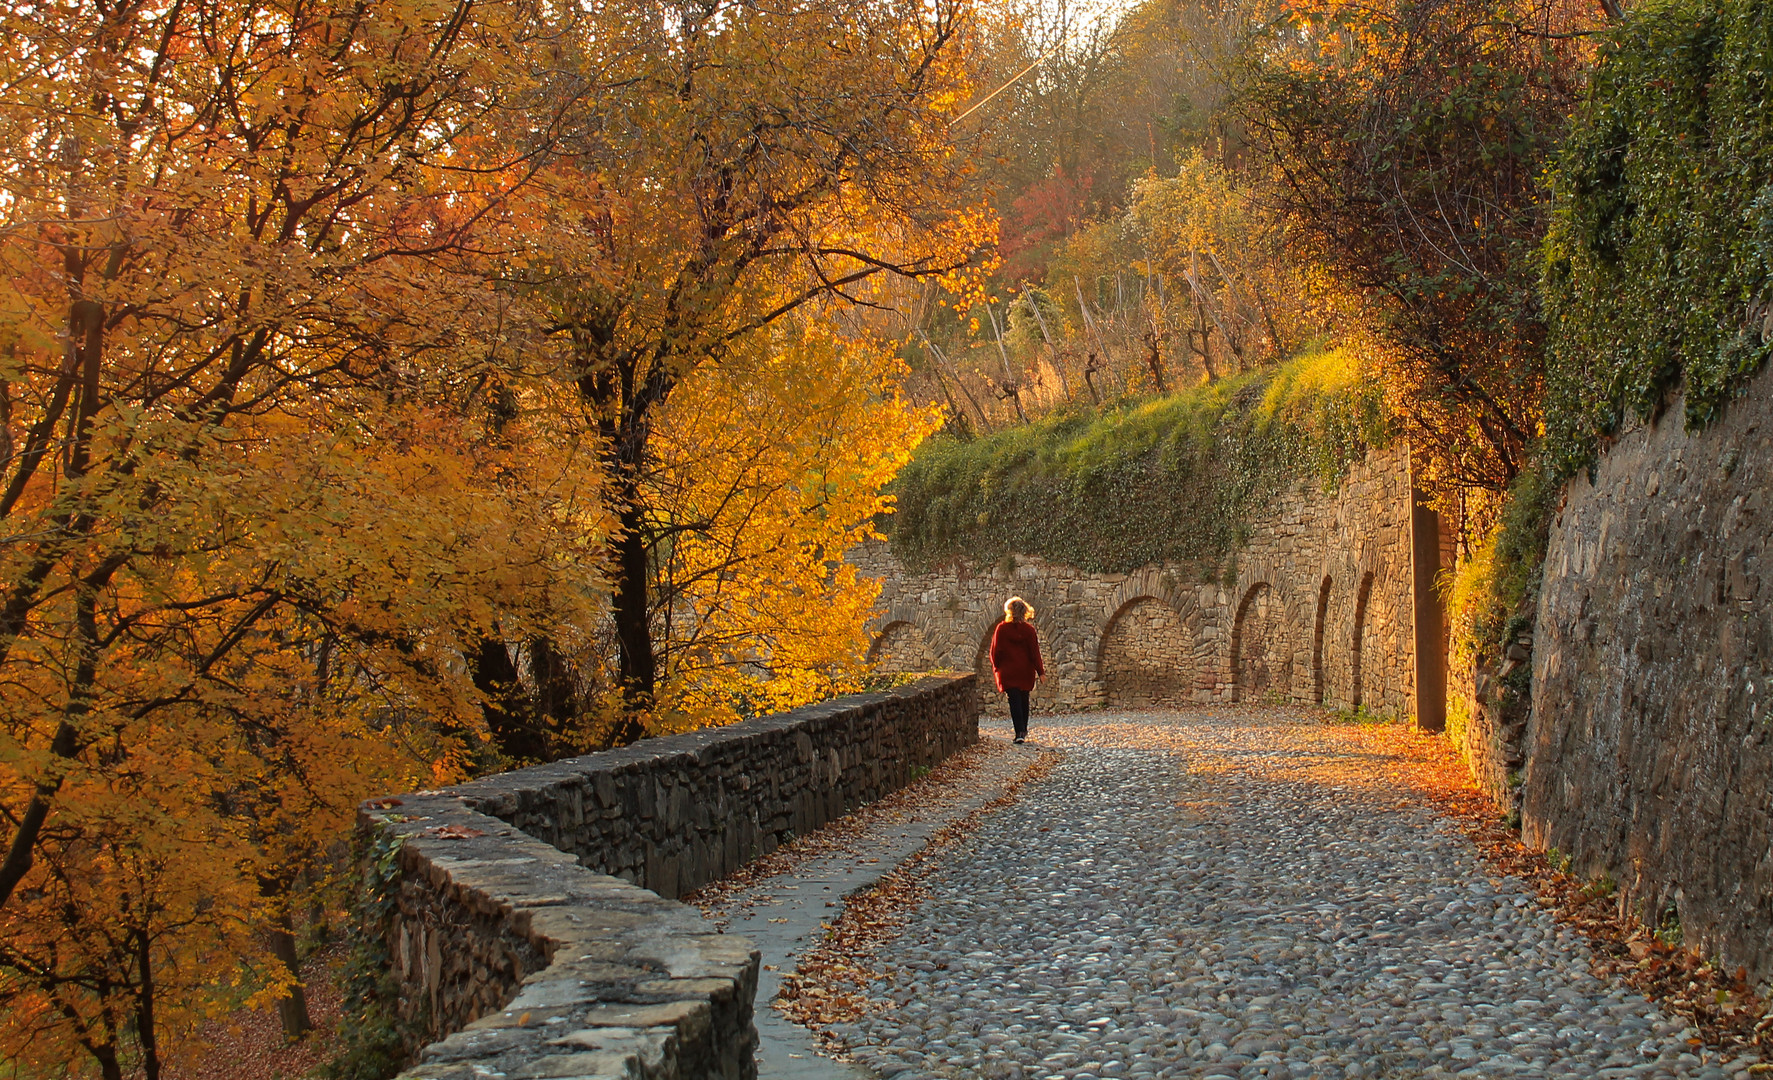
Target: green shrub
column 1166, row 478
column 1492, row 597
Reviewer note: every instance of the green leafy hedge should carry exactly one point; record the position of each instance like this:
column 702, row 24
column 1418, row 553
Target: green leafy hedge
column 1169, row 478
column 1657, row 261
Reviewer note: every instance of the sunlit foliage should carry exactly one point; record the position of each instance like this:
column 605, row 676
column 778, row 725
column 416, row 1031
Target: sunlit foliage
column 335, row 340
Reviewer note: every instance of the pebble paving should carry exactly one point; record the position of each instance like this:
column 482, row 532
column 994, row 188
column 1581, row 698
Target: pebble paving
column 1239, row 893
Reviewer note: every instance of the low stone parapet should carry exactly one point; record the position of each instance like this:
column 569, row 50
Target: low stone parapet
column 525, row 926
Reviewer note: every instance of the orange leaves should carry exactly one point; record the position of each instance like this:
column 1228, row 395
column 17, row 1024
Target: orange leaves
column 454, row 832
column 255, row 513
column 318, row 447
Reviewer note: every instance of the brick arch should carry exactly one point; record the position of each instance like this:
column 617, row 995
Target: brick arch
column 901, row 646
column 901, row 611
column 1260, row 660
column 1145, row 655
column 1149, row 582
column 1254, row 570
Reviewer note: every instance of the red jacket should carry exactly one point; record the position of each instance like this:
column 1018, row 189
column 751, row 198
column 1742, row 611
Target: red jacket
column 1015, row 656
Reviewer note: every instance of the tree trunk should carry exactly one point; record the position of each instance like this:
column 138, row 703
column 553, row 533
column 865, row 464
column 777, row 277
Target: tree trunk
column 506, row 705
column 292, row 1011
column 557, row 691
column 638, row 667
column 1205, row 348
column 86, row 329
column 1155, row 360
column 110, row 1067
column 145, row 1028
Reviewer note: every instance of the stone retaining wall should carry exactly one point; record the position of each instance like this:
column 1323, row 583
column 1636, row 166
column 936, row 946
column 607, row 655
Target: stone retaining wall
column 1648, row 750
column 1317, row 607
column 527, row 933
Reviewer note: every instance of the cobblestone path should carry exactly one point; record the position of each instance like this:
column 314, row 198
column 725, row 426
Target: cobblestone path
column 1240, row 892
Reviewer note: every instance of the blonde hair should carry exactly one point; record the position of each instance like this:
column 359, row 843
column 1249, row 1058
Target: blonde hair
column 1014, row 602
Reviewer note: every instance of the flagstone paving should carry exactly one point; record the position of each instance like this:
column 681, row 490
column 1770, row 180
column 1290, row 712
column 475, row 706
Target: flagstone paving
column 1248, row 893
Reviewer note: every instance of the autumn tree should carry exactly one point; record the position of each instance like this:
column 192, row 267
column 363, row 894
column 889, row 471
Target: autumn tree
column 1249, row 298
column 1406, row 142
column 767, row 468
column 254, row 492
column 747, row 161
column 1093, row 101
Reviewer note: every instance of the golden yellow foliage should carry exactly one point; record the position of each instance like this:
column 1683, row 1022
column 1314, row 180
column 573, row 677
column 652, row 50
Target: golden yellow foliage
column 770, row 468
column 746, row 164
column 347, row 355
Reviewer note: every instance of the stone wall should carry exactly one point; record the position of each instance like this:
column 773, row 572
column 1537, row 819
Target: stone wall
column 1491, row 701
column 527, row 933
column 513, row 960
column 1316, row 607
column 1648, row 751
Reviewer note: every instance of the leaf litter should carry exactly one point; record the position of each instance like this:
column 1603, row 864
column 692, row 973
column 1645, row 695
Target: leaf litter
column 828, row 986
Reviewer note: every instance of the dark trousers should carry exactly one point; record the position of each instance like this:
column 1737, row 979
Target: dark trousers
column 1019, row 711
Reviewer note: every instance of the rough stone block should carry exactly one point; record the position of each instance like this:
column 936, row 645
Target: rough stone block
column 591, row 1065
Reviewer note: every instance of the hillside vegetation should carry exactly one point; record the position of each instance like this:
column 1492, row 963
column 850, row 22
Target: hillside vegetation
column 1168, row 477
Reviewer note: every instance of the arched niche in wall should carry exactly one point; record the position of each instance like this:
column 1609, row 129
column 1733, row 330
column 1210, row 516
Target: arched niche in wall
column 1361, row 596
column 1261, row 663
column 901, row 646
column 1146, row 656
column 1317, row 641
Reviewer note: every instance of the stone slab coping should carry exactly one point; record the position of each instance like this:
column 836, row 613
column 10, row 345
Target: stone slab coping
column 635, row 986
column 503, row 793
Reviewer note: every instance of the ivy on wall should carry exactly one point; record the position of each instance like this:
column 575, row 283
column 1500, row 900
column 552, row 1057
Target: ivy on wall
column 1170, row 478
column 372, row 1037
column 1657, row 262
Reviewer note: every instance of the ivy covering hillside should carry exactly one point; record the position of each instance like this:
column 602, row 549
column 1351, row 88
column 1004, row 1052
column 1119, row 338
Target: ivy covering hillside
column 1658, row 259
column 1166, row 478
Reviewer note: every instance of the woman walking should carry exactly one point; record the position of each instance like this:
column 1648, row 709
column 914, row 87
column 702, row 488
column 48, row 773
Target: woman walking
column 1015, row 660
